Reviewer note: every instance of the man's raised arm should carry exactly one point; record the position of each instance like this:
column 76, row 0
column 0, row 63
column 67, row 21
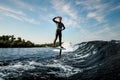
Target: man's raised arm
column 55, row 20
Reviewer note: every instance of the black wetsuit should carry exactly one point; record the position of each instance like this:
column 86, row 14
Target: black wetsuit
column 60, row 27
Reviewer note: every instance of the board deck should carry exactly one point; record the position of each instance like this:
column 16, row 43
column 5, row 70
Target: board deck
column 58, row 48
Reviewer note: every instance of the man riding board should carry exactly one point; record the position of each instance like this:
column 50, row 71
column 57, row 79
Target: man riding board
column 60, row 28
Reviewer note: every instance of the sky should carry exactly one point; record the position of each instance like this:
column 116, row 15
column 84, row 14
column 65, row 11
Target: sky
column 85, row 20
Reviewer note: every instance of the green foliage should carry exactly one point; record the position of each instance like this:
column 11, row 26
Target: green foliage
column 11, row 41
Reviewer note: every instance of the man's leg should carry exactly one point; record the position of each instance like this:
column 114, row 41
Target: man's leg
column 56, row 36
column 60, row 38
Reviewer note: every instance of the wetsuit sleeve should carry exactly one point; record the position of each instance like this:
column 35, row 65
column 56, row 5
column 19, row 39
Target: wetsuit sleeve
column 54, row 20
column 63, row 26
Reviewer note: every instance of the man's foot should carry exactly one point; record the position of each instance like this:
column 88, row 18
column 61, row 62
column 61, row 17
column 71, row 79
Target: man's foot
column 61, row 46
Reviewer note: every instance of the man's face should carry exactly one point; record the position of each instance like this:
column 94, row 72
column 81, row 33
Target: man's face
column 60, row 19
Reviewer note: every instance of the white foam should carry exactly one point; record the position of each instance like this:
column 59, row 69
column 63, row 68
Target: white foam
column 88, row 68
column 65, row 70
column 94, row 52
column 35, row 63
column 16, row 66
column 69, row 47
column 22, row 66
column 81, row 56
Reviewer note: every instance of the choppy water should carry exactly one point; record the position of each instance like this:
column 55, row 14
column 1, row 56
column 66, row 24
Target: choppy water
column 81, row 62
column 15, row 62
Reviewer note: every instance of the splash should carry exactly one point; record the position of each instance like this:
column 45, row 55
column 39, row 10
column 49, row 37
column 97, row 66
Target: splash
column 69, row 47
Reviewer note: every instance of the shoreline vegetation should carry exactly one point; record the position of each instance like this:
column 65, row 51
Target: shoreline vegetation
column 10, row 41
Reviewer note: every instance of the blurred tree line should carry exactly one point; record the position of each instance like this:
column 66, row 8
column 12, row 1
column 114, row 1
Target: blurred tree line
column 9, row 41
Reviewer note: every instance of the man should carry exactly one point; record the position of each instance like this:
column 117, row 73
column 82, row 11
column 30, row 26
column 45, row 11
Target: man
column 60, row 28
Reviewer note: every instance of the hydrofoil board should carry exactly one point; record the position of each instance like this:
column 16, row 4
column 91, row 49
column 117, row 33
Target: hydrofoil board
column 62, row 48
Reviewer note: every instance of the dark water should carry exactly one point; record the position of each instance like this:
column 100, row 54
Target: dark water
column 95, row 60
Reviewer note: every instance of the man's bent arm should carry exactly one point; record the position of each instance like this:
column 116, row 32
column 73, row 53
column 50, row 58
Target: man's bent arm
column 55, row 20
column 63, row 27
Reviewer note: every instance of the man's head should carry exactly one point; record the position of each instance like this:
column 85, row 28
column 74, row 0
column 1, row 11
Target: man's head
column 59, row 18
